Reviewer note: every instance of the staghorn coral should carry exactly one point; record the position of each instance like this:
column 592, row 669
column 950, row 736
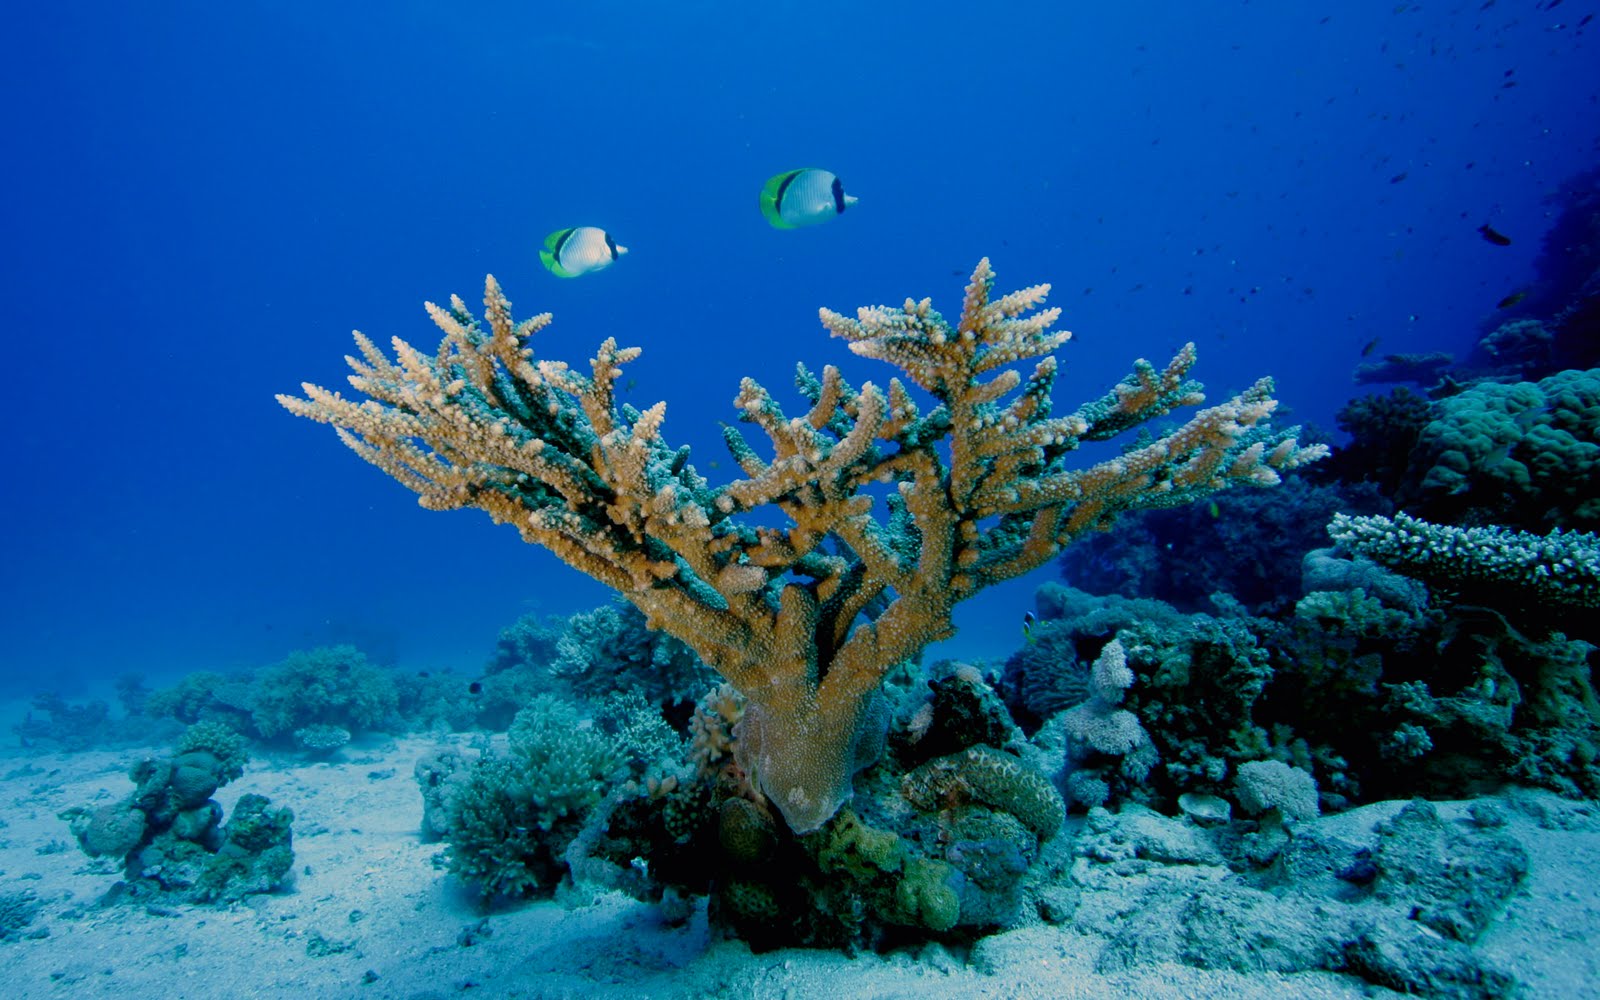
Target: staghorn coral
column 804, row 621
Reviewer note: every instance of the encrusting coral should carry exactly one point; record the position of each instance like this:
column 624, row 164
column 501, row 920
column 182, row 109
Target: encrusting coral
column 804, row 622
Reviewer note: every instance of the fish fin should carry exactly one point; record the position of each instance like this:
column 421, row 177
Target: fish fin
column 772, row 194
column 550, row 255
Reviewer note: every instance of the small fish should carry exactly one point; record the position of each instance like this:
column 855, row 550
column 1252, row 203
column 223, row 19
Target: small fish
column 1027, row 628
column 1397, row 178
column 803, row 197
column 1512, row 299
column 475, row 688
column 1494, row 236
column 1369, row 347
column 579, row 250
column 1213, row 510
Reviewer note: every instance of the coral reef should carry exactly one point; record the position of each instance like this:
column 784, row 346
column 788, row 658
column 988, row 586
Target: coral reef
column 938, row 840
column 508, row 817
column 1561, row 569
column 804, row 621
column 589, row 656
column 315, row 690
column 1556, row 325
column 437, row 701
column 1368, row 686
column 205, row 696
column 1246, row 543
column 1525, row 455
column 1419, row 369
column 326, row 686
column 169, row 832
column 1383, row 431
column 72, row 727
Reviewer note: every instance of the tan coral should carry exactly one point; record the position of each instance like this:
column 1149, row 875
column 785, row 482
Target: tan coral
column 803, row 620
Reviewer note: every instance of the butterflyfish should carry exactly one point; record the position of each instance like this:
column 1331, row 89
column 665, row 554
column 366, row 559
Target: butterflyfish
column 803, row 197
column 576, row 250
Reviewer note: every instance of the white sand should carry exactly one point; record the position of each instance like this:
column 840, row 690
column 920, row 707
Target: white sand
column 365, row 879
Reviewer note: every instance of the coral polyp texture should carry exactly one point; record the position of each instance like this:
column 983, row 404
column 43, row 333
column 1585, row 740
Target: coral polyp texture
column 1561, row 569
column 803, row 619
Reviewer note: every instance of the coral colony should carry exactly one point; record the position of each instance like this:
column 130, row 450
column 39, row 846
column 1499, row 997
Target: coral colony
column 803, row 622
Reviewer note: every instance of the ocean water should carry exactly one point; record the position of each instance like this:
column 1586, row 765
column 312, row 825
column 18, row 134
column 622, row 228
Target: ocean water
column 202, row 200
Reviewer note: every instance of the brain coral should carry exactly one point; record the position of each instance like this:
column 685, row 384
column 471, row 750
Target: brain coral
column 1525, row 455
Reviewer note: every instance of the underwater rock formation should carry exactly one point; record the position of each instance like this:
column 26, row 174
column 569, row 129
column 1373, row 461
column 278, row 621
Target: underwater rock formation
column 169, row 831
column 1395, row 894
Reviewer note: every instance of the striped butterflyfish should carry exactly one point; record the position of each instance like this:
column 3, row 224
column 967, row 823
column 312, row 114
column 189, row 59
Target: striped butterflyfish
column 578, row 250
column 803, row 197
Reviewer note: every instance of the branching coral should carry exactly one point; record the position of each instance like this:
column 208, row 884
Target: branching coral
column 1561, row 569
column 510, row 816
column 803, row 620
column 328, row 686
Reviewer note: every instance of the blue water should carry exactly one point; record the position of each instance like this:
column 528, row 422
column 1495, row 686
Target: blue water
column 202, row 200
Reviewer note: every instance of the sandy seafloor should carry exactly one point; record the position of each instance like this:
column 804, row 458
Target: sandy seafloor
column 369, row 890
